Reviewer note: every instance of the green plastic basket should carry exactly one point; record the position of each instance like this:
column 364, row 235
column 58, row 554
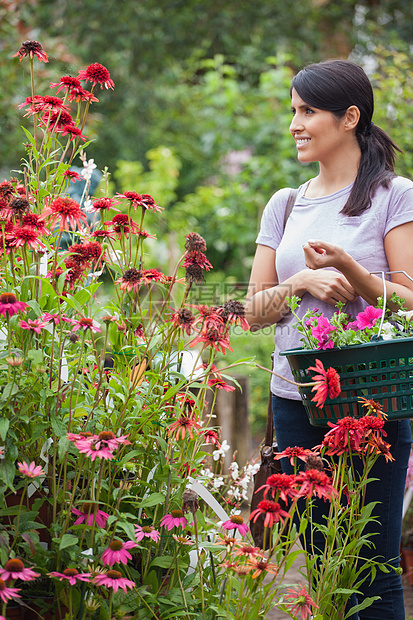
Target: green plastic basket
column 380, row 370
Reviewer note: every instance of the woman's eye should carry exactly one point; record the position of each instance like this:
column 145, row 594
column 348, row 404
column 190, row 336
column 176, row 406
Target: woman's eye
column 309, row 111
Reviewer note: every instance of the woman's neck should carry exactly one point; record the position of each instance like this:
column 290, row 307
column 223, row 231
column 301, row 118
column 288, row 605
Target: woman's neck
column 334, row 175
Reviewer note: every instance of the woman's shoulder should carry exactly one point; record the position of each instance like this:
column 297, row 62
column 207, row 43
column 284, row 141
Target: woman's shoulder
column 399, row 185
column 281, row 196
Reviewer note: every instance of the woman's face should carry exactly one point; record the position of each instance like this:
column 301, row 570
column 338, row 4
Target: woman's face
column 318, row 134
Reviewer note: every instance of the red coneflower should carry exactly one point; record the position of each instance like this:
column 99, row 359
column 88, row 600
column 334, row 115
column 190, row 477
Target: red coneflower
column 152, row 275
column 103, row 204
column 293, row 453
column 66, row 82
column 19, row 205
column 315, row 482
column 97, row 74
column 72, row 175
column 81, row 94
column 195, row 243
column 299, row 601
column 6, row 190
column 55, row 121
column 67, row 210
column 73, row 132
column 182, row 425
column 347, row 432
column 327, row 383
column 212, row 437
column 31, row 49
column 282, row 485
column 27, row 235
column 131, row 280
column 183, row 319
column 234, row 312
column 214, row 337
column 272, row 511
column 35, row 221
column 197, row 258
column 262, row 565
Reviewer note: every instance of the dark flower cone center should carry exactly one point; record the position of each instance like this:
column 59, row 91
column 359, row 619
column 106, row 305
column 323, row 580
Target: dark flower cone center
column 8, row 298
column 116, row 545
column 237, row 519
column 106, row 436
column 114, row 574
column 14, row 566
column 70, row 572
column 177, row 514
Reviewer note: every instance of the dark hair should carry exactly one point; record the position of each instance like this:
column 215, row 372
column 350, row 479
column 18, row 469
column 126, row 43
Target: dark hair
column 335, row 85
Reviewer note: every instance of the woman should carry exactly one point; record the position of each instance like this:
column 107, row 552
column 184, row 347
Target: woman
column 355, row 217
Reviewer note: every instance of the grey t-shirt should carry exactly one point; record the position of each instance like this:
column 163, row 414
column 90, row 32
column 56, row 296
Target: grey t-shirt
column 320, row 218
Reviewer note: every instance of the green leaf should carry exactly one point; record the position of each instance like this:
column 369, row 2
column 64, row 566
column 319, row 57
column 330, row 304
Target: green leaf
column 164, row 561
column 152, row 500
column 67, row 540
column 4, row 427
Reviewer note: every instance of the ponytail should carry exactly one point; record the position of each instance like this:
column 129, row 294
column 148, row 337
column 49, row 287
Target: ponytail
column 378, row 155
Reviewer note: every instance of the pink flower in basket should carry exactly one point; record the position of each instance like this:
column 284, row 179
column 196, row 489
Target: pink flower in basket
column 322, row 331
column 368, row 317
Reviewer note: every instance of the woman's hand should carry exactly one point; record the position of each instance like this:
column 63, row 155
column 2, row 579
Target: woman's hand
column 320, row 254
column 328, row 286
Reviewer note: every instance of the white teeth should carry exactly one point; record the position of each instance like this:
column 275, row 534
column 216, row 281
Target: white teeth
column 302, row 141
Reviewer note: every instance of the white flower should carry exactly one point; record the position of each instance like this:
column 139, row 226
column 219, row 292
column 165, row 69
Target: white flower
column 220, row 452
column 207, row 473
column 387, row 331
column 88, row 206
column 234, row 468
column 218, row 482
column 88, row 168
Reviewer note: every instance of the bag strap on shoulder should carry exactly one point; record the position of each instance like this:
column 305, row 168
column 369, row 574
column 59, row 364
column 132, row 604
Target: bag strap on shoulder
column 290, row 204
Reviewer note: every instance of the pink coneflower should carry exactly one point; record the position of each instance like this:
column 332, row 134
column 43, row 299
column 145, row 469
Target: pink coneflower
column 15, row 569
column 71, row 575
column 56, row 318
column 97, row 74
column 26, row 236
column 87, row 515
column 131, row 280
column 36, row 326
column 7, row 594
column 31, row 49
column 282, row 485
column 31, row 471
column 174, row 519
column 85, row 323
column 293, row 453
column 183, row 319
column 73, row 132
column 99, row 446
column 272, row 512
column 183, row 540
column 9, row 304
column 236, row 522
column 247, row 551
column 117, row 552
column 327, row 383
column 113, row 579
column 66, row 210
column 182, row 425
column 315, row 482
column 299, row 601
column 146, row 531
column 216, row 381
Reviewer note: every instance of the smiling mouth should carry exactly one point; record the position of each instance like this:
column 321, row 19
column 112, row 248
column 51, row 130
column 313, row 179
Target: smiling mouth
column 302, row 141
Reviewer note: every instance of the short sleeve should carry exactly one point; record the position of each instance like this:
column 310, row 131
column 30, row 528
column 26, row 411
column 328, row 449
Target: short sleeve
column 400, row 209
column 272, row 221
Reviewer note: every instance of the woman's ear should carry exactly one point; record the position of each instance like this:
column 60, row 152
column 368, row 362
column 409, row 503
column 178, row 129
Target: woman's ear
column 351, row 118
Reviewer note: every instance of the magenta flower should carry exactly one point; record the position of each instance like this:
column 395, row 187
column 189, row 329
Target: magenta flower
column 36, row 326
column 174, row 519
column 299, row 601
column 9, row 304
column 57, row 318
column 117, row 552
column 7, row 593
column 322, row 331
column 236, row 522
column 147, row 531
column 14, row 569
column 98, row 446
column 367, row 319
column 85, row 323
column 97, row 74
column 113, row 579
column 31, row 471
column 72, row 575
column 87, row 515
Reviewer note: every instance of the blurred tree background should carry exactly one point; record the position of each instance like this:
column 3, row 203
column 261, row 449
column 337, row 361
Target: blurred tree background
column 200, row 112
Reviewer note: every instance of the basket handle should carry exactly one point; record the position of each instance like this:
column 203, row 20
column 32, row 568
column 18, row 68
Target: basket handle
column 387, row 273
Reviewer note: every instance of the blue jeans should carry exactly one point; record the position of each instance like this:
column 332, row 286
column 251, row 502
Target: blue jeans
column 292, row 428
